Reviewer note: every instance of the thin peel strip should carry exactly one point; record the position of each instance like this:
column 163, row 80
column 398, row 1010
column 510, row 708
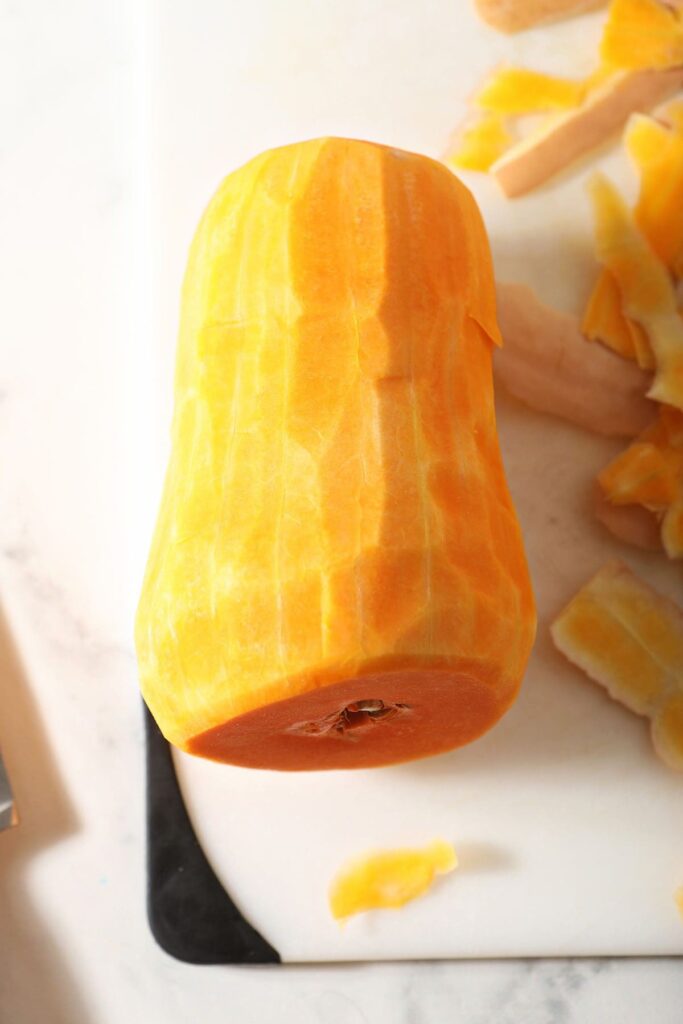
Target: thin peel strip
column 523, row 91
column 479, row 142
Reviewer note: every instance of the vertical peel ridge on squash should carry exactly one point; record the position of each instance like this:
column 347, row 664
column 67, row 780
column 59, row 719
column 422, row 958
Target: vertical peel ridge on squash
column 335, row 524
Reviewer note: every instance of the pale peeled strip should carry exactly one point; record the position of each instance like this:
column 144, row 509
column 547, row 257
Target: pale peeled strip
column 546, row 363
column 516, row 15
column 574, row 133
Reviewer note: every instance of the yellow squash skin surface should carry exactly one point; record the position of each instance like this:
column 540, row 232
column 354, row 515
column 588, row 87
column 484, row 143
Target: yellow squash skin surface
column 335, row 525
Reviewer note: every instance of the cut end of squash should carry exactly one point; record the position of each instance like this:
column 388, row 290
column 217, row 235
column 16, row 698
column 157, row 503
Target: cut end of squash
column 629, row 638
column 364, row 722
column 389, row 879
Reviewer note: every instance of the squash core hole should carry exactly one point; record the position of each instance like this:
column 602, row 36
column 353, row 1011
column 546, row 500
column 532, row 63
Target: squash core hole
column 358, row 715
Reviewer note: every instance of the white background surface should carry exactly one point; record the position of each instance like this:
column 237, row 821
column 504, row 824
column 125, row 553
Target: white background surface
column 74, row 946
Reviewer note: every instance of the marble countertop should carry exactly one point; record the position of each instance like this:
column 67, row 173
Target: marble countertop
column 74, row 942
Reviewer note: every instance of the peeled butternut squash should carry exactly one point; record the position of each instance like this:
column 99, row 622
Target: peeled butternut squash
column 337, row 577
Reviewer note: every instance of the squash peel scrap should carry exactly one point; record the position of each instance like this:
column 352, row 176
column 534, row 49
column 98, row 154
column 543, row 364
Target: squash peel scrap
column 480, row 142
column 672, row 527
column 574, row 133
column 647, row 290
column 629, row 638
column 522, row 91
column 642, row 34
column 389, row 879
column 633, row 524
column 548, row 364
column 656, row 149
column 673, row 115
column 643, row 475
column 516, row 15
column 604, row 321
column 650, row 473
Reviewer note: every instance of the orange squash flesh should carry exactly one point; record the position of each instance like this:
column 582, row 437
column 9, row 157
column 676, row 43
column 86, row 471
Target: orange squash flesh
column 657, row 152
column 389, row 878
column 645, row 285
column 512, row 90
column 479, row 142
column 605, row 321
column 642, row 34
column 337, row 577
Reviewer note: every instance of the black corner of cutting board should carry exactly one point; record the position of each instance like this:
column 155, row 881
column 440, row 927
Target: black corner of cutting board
column 190, row 914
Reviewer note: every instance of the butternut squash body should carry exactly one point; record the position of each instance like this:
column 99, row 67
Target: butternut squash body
column 337, row 577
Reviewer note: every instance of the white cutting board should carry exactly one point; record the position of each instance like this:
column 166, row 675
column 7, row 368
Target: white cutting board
column 569, row 831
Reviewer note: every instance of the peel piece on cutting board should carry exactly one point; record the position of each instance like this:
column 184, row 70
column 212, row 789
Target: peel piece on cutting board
column 642, row 34
column 573, row 134
column 656, row 149
column 646, row 287
column 629, row 638
column 547, row 363
column 337, row 577
column 389, row 879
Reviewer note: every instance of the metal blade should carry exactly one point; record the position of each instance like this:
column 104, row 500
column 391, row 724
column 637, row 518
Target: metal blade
column 8, row 812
